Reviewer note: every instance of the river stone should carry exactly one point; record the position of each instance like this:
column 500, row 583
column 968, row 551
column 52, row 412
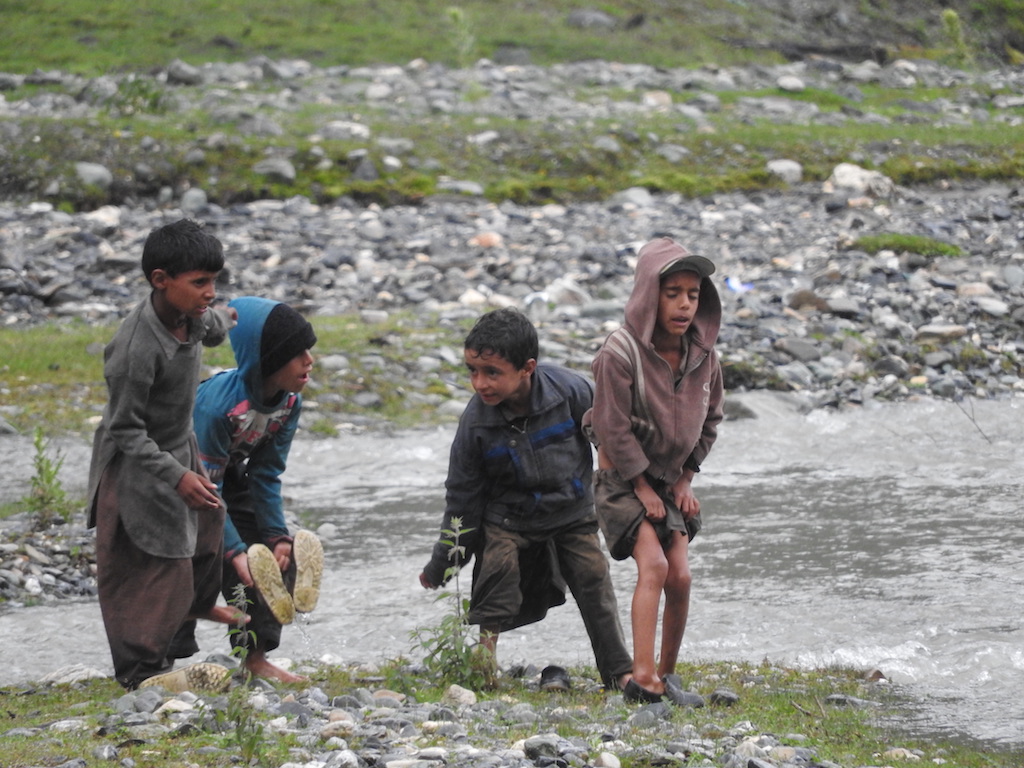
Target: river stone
column 94, row 175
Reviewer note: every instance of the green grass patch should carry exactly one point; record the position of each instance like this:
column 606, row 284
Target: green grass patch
column 52, row 375
column 92, row 38
column 890, row 241
column 95, row 37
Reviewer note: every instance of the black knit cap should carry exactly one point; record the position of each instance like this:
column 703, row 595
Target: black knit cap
column 286, row 334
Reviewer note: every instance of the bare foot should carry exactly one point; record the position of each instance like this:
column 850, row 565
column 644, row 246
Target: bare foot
column 223, row 614
column 261, row 666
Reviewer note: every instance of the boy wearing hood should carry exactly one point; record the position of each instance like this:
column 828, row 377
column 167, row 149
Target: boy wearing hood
column 657, row 405
column 245, row 419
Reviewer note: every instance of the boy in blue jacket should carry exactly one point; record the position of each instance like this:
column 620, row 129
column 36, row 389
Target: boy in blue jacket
column 245, row 419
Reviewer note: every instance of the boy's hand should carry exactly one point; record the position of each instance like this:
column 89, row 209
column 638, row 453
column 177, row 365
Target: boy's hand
column 283, row 554
column 685, row 500
column 198, row 492
column 232, row 315
column 241, row 564
column 425, row 582
column 652, row 502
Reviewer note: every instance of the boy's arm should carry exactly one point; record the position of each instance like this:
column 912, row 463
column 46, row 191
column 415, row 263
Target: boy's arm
column 213, row 433
column 265, row 467
column 218, row 322
column 464, row 500
column 127, row 427
column 709, row 432
column 610, row 418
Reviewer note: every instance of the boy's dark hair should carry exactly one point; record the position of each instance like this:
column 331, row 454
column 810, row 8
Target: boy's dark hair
column 506, row 332
column 181, row 247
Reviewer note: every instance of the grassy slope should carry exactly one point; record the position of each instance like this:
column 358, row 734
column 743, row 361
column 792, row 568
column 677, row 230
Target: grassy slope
column 95, row 37
column 542, row 162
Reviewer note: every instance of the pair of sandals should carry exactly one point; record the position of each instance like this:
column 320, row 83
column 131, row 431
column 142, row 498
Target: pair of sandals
column 308, row 554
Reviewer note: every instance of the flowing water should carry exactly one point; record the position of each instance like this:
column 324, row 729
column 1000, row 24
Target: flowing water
column 886, row 537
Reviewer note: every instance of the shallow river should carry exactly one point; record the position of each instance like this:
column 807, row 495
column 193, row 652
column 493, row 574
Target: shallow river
column 885, row 537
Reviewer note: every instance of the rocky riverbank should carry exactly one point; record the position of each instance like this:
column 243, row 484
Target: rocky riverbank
column 811, row 305
column 371, row 725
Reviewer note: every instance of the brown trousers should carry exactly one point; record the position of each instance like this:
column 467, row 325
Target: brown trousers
column 144, row 599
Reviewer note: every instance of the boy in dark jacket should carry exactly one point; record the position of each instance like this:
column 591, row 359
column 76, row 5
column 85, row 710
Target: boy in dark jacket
column 519, row 478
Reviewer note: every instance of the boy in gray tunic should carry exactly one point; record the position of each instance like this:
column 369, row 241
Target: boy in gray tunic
column 159, row 521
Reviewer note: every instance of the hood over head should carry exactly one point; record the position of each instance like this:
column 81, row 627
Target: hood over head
column 268, row 334
column 656, row 260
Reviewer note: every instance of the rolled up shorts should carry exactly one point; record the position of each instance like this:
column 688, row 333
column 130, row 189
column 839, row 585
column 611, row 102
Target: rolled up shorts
column 620, row 513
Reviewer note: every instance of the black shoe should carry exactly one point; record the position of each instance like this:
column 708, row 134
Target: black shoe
column 554, row 678
column 675, row 693
column 634, row 693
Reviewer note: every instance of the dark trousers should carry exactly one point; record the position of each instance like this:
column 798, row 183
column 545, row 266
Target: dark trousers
column 144, row 599
column 497, row 594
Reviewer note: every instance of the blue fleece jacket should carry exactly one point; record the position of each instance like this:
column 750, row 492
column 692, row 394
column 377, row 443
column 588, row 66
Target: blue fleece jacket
column 233, row 425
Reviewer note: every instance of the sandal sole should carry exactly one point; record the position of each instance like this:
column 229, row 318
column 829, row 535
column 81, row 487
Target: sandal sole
column 203, row 677
column 308, row 554
column 267, row 578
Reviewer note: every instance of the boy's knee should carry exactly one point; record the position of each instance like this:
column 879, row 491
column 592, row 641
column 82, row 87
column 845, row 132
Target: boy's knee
column 679, row 582
column 654, row 568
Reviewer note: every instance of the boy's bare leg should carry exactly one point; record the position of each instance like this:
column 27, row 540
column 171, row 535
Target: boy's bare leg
column 223, row 614
column 257, row 663
column 489, row 646
column 652, row 570
column 677, row 604
column 489, row 639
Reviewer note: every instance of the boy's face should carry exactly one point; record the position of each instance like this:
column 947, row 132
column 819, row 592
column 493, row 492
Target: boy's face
column 190, row 293
column 677, row 302
column 293, row 376
column 496, row 380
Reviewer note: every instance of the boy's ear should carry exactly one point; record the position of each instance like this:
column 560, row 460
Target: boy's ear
column 530, row 366
column 158, row 278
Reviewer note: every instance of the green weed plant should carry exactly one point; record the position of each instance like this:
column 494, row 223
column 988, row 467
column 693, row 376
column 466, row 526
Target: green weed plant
column 450, row 652
column 47, row 499
column 239, row 718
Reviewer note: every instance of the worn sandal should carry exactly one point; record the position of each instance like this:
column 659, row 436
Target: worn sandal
column 266, row 575
column 679, row 696
column 634, row 693
column 203, row 678
column 554, row 678
column 308, row 553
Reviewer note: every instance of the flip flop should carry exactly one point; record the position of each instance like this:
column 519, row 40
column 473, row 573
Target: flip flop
column 308, row 553
column 267, row 577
